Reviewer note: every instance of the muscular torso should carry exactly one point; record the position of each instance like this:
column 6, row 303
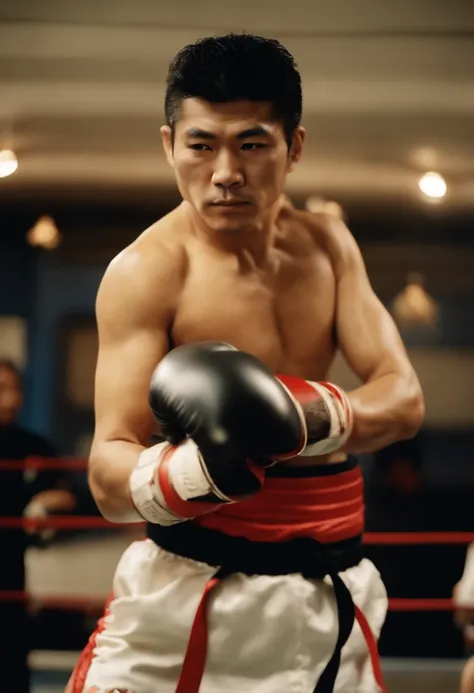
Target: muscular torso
column 283, row 312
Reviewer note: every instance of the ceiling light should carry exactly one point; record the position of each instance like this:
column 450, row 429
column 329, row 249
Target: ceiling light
column 8, row 163
column 433, row 185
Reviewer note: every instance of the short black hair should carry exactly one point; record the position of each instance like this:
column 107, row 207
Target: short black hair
column 236, row 67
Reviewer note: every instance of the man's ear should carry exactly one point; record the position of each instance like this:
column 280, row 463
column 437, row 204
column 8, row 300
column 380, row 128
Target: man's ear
column 167, row 141
column 296, row 149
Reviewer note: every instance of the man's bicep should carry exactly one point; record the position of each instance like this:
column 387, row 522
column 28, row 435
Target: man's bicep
column 123, row 374
column 121, row 391
column 134, row 312
column 366, row 332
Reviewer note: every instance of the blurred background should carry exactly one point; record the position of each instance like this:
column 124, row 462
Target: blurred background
column 389, row 113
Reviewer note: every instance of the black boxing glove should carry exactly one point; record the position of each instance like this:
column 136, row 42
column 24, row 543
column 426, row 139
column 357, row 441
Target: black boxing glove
column 224, row 415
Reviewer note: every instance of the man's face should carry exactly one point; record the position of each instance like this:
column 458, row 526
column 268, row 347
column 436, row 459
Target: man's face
column 11, row 396
column 231, row 161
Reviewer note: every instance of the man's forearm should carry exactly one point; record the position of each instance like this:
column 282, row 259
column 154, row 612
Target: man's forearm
column 386, row 409
column 110, row 466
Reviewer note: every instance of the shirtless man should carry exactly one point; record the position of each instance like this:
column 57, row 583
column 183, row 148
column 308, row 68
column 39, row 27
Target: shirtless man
column 274, row 548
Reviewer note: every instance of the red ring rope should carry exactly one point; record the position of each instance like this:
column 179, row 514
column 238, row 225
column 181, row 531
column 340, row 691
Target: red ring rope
column 50, row 601
column 407, row 538
column 415, row 604
column 370, row 538
column 80, row 602
column 58, row 522
column 43, row 464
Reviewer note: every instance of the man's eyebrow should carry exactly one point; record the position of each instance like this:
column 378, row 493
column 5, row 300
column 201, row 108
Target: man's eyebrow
column 257, row 131
column 202, row 134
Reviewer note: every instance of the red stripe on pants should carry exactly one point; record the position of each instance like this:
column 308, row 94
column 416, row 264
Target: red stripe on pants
column 196, row 651
column 79, row 675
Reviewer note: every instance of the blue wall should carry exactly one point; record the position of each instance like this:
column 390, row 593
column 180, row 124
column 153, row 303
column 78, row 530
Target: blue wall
column 41, row 293
column 18, row 282
column 17, row 275
column 62, row 291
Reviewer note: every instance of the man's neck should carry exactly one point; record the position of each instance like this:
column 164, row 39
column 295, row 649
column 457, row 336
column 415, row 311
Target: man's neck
column 253, row 244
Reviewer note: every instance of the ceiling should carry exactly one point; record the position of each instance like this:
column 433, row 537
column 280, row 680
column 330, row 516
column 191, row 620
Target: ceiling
column 389, row 91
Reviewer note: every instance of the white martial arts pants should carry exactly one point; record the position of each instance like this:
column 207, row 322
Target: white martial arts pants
column 266, row 634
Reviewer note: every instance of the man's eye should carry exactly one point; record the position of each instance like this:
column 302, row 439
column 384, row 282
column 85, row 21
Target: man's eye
column 200, row 147
column 252, row 146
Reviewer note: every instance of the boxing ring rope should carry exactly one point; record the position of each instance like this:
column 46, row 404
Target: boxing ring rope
column 72, row 522
column 65, row 464
column 87, row 523
column 89, row 602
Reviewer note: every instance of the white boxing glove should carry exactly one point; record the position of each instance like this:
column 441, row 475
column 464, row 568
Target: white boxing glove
column 171, row 484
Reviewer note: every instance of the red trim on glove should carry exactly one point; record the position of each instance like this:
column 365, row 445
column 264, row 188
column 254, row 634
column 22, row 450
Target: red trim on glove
column 299, row 388
column 257, row 470
column 336, row 391
column 178, row 506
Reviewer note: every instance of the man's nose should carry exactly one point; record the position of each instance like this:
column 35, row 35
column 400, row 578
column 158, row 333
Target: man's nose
column 227, row 171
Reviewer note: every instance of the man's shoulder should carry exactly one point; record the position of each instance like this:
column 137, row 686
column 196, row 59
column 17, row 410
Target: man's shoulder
column 159, row 250
column 144, row 281
column 324, row 228
column 332, row 235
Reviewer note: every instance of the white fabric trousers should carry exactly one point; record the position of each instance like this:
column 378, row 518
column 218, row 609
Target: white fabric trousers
column 266, row 634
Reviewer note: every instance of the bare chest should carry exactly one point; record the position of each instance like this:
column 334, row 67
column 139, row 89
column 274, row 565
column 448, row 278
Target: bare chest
column 285, row 319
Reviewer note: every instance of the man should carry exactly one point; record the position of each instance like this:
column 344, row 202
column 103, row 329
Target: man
column 38, row 493
column 19, row 494
column 246, row 287
column 463, row 598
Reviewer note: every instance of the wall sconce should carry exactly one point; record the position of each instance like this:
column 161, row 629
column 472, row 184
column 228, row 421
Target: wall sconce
column 413, row 306
column 44, row 234
column 315, row 205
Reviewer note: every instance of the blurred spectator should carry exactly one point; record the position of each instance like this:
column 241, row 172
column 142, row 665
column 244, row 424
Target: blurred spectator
column 34, row 493
column 463, row 597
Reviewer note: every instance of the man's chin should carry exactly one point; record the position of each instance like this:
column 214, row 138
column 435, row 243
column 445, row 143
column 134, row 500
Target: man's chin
column 224, row 225
column 228, row 223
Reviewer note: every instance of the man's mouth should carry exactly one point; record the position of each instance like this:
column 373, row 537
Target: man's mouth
column 229, row 203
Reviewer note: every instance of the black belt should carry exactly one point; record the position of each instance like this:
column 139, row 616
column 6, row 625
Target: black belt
column 299, row 555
